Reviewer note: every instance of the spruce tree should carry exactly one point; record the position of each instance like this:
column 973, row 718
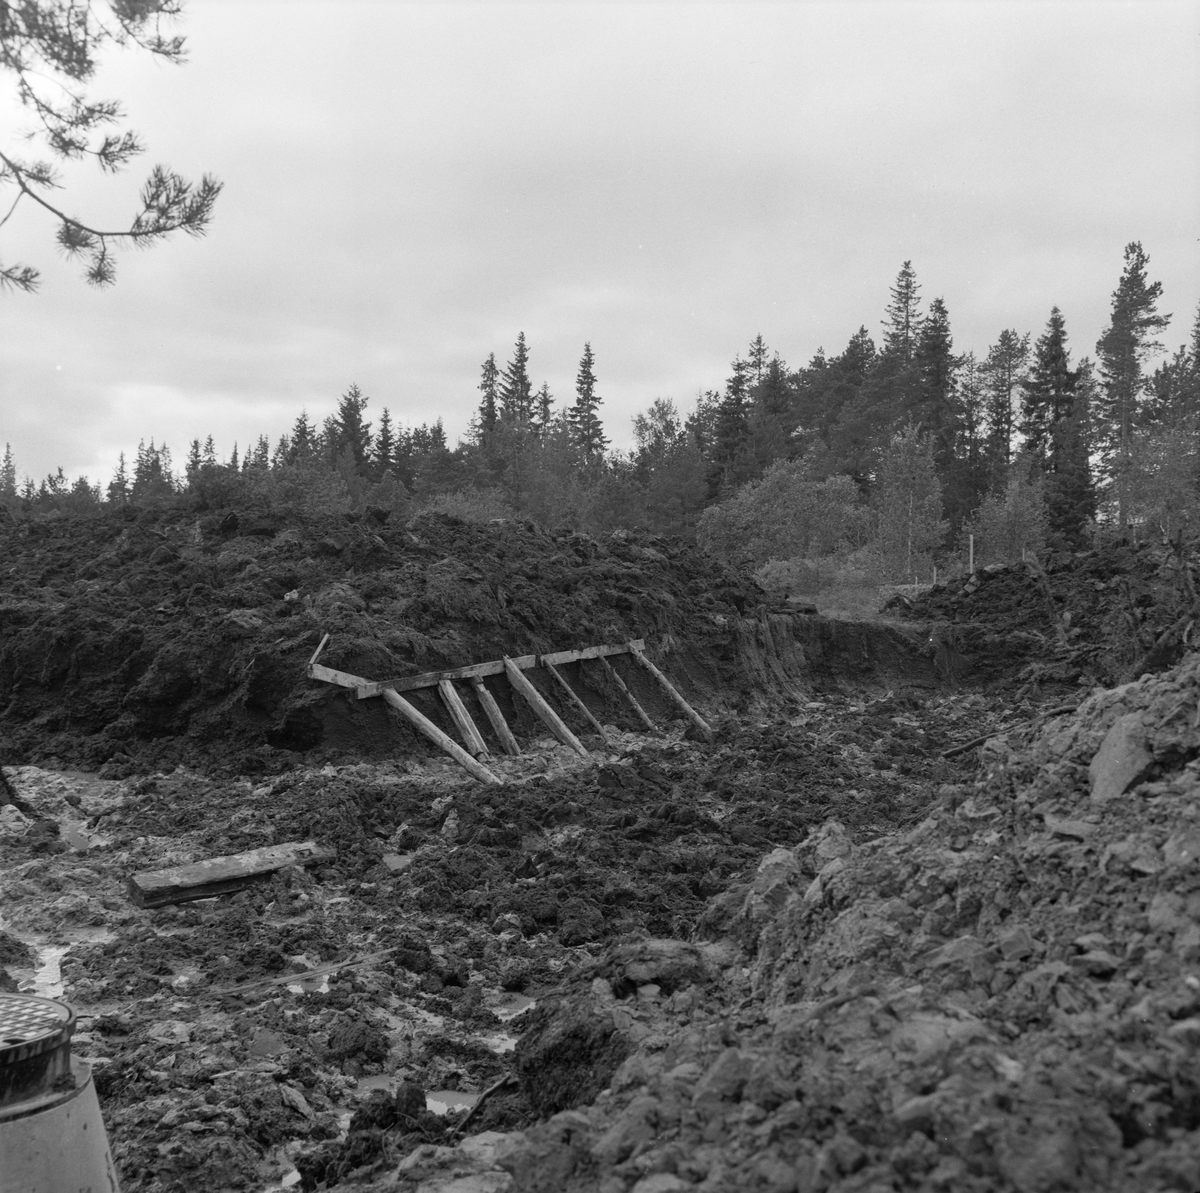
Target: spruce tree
column 210, row 453
column 489, row 388
column 1003, row 372
column 934, row 408
column 587, row 432
column 1123, row 348
column 348, row 429
column 383, row 451
column 1070, row 489
column 8, row 473
column 303, row 439
column 731, row 430
column 757, row 359
column 118, row 487
column 543, row 411
column 903, row 322
column 516, row 390
column 1048, row 390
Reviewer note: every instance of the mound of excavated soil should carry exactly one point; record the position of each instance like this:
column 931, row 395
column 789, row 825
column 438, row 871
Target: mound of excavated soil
column 218, row 1065
column 1089, row 618
column 1004, row 998
column 148, row 638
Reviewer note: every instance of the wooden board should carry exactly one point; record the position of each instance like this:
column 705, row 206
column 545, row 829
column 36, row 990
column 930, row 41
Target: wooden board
column 670, row 689
column 575, row 699
column 499, row 725
column 549, row 717
column 633, row 700
column 420, row 721
column 365, row 688
column 221, row 875
column 462, row 719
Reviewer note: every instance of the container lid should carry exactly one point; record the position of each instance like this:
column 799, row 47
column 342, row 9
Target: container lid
column 31, row 1025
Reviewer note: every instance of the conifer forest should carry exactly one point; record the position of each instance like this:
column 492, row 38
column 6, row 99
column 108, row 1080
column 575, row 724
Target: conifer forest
column 875, row 463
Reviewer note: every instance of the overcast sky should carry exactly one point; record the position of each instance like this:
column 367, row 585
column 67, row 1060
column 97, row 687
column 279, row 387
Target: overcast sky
column 408, row 186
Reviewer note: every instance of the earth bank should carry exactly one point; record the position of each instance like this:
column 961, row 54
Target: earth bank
column 836, row 947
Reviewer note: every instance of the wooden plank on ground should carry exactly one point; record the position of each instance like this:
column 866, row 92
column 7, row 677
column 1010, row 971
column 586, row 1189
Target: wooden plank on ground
column 420, row 721
column 507, row 742
column 366, row 688
column 462, row 719
column 537, row 702
column 221, row 875
column 578, row 702
column 637, row 708
column 670, row 689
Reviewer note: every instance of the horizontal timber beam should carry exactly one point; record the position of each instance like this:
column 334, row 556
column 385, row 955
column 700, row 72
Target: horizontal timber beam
column 364, row 689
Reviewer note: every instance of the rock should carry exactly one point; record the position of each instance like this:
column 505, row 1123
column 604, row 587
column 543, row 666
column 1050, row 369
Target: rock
column 660, row 1182
column 1016, row 943
column 725, row 1079
column 669, row 964
column 1123, row 758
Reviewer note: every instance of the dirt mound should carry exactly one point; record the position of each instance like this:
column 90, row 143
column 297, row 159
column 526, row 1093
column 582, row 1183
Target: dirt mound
column 1004, row 997
column 143, row 639
column 1087, row 618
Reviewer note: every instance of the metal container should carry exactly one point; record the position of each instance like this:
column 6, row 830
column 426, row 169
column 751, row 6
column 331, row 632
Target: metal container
column 52, row 1137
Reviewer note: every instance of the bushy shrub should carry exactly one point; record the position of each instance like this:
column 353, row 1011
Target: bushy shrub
column 785, row 516
column 471, row 504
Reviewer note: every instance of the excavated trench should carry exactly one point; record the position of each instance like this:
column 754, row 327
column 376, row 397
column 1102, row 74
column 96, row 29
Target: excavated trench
column 812, row 952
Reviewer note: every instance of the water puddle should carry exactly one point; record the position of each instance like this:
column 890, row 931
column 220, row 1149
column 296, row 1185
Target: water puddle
column 444, row 1101
column 47, row 974
column 508, row 1006
column 318, row 985
column 501, row 1042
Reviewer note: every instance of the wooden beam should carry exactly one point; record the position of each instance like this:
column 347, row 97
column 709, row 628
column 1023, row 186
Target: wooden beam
column 670, row 689
column 221, row 875
column 537, row 702
column 420, row 721
column 366, row 688
column 462, row 719
column 579, row 704
column 507, row 742
column 637, row 708
column 320, row 647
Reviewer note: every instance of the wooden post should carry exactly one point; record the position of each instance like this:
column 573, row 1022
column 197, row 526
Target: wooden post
column 507, row 742
column 537, row 702
column 420, row 721
column 637, row 708
column 670, row 689
column 578, row 702
column 462, row 719
column 320, row 647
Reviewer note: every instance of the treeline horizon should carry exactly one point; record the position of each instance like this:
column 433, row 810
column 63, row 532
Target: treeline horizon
column 1069, row 448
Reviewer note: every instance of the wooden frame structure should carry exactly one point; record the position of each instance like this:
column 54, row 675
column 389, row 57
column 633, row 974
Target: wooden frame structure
column 476, row 750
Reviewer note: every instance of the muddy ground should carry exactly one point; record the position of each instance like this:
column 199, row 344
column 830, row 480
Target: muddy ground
column 918, row 916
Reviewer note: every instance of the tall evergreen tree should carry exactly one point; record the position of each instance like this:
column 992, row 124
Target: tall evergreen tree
column 934, row 410
column 489, row 402
column 118, row 487
column 543, row 411
column 587, row 432
column 516, row 390
column 304, row 439
column 1048, row 391
column 348, row 429
column 383, row 450
column 1123, row 348
column 1003, row 372
column 209, row 457
column 1070, row 489
column 903, row 322
column 973, row 474
column 757, row 359
column 731, row 430
column 8, row 473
